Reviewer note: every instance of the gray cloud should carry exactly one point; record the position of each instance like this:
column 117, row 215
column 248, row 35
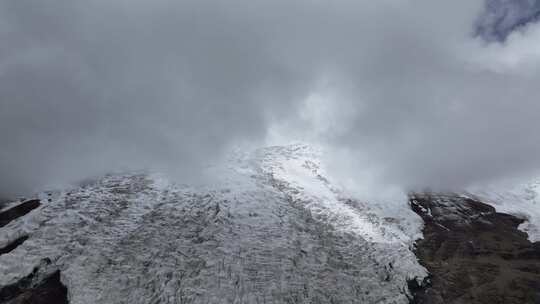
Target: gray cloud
column 92, row 86
column 502, row 17
column 89, row 87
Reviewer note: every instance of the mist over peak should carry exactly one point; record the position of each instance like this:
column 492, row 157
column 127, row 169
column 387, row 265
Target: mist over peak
column 405, row 91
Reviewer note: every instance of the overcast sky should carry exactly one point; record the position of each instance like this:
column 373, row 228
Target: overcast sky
column 412, row 93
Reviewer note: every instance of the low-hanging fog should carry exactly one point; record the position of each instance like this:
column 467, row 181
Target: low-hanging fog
column 420, row 93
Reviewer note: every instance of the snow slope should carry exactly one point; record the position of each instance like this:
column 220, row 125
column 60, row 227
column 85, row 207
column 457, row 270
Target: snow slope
column 521, row 199
column 272, row 230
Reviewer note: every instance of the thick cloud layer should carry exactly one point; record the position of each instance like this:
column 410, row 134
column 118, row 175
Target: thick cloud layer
column 88, row 87
column 502, row 17
column 403, row 88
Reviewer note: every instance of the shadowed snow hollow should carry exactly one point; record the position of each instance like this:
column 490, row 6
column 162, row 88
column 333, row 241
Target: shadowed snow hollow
column 274, row 230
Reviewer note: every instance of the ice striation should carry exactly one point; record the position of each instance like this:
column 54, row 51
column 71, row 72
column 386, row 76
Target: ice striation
column 273, row 230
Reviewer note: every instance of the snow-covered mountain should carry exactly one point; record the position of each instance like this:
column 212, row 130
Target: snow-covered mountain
column 274, row 229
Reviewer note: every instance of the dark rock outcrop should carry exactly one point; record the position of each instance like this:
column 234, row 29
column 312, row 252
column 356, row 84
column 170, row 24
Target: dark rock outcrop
column 15, row 212
column 474, row 254
column 42, row 286
column 11, row 246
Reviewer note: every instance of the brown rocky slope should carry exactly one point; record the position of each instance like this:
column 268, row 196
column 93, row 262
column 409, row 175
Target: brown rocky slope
column 474, row 254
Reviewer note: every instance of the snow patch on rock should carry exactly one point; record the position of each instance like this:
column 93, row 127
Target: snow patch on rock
column 521, row 199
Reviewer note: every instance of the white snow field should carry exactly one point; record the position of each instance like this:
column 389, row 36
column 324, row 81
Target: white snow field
column 273, row 230
column 518, row 198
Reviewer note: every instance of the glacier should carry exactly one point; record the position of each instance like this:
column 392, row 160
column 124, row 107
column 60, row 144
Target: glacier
column 273, row 228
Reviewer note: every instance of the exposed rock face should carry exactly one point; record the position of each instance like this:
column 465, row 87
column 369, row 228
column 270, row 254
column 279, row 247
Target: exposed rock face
column 3, row 202
column 15, row 212
column 42, row 286
column 11, row 246
column 474, row 254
